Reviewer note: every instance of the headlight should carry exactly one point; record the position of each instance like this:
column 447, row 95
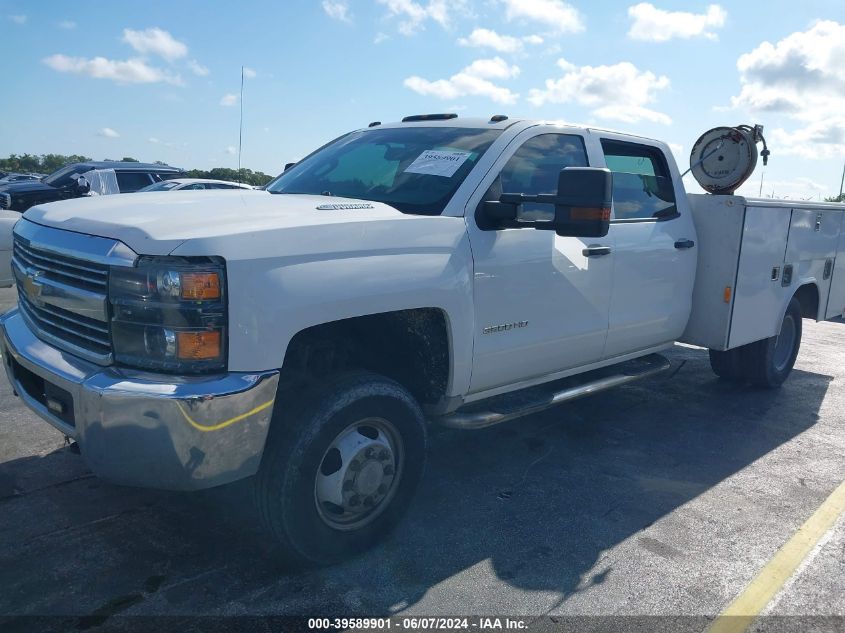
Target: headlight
column 169, row 314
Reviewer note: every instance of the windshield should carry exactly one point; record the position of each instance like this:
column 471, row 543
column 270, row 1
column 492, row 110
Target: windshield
column 414, row 169
column 65, row 175
column 164, row 185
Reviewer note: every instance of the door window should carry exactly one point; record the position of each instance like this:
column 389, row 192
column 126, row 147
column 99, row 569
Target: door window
column 642, row 184
column 132, row 181
column 534, row 169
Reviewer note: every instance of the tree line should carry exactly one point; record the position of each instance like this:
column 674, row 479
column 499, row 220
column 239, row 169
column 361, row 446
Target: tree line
column 48, row 163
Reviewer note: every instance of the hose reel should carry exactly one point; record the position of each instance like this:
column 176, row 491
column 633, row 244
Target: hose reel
column 725, row 157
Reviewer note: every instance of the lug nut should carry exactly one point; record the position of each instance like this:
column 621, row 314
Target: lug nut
column 383, row 455
column 355, row 465
column 348, row 485
column 369, row 453
column 354, row 500
column 388, row 470
column 368, row 502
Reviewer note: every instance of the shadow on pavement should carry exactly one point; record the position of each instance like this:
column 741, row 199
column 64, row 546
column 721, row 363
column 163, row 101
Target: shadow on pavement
column 538, row 500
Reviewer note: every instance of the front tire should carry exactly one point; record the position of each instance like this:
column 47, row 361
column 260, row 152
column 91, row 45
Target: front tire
column 338, row 474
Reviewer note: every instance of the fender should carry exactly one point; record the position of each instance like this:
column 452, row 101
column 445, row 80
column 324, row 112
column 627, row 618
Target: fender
column 283, row 281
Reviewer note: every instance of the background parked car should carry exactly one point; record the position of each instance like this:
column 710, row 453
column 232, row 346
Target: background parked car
column 184, row 184
column 19, row 177
column 80, row 179
column 7, row 222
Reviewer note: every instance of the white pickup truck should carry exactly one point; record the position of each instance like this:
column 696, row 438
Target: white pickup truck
column 445, row 270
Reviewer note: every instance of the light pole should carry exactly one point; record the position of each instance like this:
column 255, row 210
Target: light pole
column 841, row 182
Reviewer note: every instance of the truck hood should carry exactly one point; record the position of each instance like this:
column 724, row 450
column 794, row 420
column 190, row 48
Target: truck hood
column 156, row 223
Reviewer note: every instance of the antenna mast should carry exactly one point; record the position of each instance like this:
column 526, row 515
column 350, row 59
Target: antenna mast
column 241, row 130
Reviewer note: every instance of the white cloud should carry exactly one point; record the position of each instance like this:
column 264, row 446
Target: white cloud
column 619, row 92
column 486, row 38
column 120, row 71
column 231, row 150
column 803, row 77
column 249, row 73
column 380, row 37
column 155, row 41
column 474, row 80
column 157, row 141
column 337, row 9
column 18, row 19
column 557, row 15
column 414, row 15
column 656, row 25
column 67, row 25
column 198, row 69
column 108, row 133
column 798, row 188
column 495, row 68
column 229, row 100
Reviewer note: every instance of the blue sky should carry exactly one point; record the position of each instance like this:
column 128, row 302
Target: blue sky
column 159, row 81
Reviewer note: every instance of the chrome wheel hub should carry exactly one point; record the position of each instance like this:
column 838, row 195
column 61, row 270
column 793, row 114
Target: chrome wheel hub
column 358, row 474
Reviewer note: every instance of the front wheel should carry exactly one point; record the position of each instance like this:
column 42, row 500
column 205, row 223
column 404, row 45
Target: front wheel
column 339, row 473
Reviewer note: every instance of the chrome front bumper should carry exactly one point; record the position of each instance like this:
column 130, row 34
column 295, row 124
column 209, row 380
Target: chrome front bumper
column 143, row 429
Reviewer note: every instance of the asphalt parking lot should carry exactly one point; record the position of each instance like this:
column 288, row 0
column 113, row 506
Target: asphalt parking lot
column 664, row 498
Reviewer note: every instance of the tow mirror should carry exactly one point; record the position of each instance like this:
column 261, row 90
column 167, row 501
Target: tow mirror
column 580, row 208
column 83, row 187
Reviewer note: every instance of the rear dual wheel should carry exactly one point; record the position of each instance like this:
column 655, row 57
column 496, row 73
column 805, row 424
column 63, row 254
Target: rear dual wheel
column 765, row 363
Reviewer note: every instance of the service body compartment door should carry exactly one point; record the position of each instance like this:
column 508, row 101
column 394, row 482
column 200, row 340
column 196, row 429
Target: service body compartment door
column 836, row 301
column 759, row 294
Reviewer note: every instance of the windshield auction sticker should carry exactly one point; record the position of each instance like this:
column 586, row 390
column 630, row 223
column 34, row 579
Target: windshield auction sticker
column 438, row 162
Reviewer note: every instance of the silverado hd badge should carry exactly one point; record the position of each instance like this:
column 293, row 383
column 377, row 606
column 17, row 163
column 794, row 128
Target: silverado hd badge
column 490, row 329
column 344, row 205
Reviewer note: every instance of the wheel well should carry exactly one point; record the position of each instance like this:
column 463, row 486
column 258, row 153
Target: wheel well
column 409, row 346
column 808, row 297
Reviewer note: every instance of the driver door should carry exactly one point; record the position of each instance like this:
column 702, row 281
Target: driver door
column 541, row 301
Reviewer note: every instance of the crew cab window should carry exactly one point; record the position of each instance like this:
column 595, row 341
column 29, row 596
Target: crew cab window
column 642, row 184
column 132, row 181
column 534, row 168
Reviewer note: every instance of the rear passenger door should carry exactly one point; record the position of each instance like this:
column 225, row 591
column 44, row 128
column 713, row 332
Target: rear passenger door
column 654, row 254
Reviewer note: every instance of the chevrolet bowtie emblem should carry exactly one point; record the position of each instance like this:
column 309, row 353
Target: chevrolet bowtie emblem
column 31, row 286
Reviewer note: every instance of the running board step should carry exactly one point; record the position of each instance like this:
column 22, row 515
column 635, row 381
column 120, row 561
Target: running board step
column 527, row 401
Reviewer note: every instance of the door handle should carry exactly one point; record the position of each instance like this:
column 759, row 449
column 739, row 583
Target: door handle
column 596, row 251
column 683, row 244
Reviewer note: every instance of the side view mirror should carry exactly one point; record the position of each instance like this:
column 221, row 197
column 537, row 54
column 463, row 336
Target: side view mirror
column 288, row 166
column 581, row 206
column 83, row 187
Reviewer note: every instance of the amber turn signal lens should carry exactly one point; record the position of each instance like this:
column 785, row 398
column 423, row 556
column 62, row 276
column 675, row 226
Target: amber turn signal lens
column 198, row 345
column 728, row 294
column 589, row 213
column 200, row 286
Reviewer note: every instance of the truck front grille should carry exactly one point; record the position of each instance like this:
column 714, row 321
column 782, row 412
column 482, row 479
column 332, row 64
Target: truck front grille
column 75, row 272
column 62, row 280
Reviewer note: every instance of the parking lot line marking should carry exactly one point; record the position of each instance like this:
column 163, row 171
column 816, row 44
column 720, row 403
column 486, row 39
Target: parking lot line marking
column 750, row 603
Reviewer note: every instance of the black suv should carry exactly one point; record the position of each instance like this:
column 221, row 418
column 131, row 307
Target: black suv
column 80, row 179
